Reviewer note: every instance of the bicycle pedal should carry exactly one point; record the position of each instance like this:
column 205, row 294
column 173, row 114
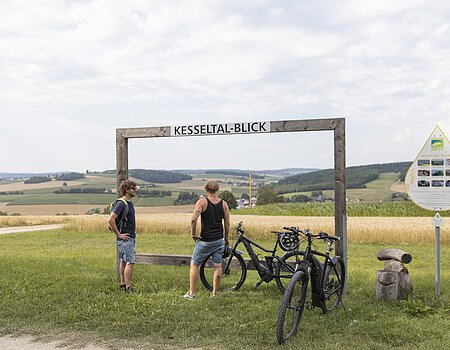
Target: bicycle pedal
column 259, row 283
column 309, row 305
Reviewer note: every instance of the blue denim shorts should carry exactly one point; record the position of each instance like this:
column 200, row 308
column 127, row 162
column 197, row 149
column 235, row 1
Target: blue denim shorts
column 126, row 250
column 204, row 249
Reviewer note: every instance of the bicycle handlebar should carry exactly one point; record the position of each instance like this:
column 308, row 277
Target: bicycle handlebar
column 320, row 235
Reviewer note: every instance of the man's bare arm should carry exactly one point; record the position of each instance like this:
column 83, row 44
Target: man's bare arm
column 197, row 211
column 226, row 220
column 112, row 223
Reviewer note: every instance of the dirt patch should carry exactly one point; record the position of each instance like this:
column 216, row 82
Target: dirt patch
column 51, row 209
column 398, row 187
column 5, row 230
column 29, row 343
column 21, row 186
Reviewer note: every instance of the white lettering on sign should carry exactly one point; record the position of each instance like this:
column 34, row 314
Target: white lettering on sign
column 220, row 129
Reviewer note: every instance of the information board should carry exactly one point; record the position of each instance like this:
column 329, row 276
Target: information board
column 428, row 179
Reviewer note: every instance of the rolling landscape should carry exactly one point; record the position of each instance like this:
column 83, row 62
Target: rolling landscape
column 55, row 196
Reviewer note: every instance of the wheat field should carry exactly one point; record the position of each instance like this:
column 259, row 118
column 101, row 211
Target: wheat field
column 359, row 230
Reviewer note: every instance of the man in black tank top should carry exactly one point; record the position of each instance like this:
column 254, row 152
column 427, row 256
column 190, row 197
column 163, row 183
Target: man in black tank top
column 212, row 240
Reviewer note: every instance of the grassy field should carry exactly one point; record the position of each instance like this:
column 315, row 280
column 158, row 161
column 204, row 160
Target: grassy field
column 63, row 282
column 379, row 189
column 383, row 209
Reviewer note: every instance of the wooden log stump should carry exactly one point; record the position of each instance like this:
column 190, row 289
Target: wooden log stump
column 394, row 254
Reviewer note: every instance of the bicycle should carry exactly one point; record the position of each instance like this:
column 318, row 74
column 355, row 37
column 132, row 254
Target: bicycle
column 327, row 285
column 234, row 268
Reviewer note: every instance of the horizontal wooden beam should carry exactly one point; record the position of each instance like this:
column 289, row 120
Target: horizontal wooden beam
column 305, row 125
column 133, row 133
column 275, row 126
column 178, row 260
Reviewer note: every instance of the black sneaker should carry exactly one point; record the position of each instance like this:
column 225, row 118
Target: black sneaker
column 129, row 289
column 123, row 287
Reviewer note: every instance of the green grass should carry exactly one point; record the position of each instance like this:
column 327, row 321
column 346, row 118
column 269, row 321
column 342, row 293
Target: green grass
column 384, row 209
column 63, row 282
column 156, row 201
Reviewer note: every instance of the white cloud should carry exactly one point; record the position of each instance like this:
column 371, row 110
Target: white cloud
column 141, row 63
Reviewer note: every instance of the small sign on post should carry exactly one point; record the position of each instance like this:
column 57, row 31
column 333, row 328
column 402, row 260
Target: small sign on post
column 428, row 185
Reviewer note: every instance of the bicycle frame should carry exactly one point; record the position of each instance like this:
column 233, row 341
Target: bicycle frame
column 317, row 271
column 266, row 273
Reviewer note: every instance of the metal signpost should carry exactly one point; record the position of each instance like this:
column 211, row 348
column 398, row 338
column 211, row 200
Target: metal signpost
column 428, row 185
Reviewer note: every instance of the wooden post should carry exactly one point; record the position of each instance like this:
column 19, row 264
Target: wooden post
column 340, row 212
column 121, row 174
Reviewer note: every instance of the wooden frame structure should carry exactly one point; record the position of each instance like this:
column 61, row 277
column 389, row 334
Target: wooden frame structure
column 337, row 125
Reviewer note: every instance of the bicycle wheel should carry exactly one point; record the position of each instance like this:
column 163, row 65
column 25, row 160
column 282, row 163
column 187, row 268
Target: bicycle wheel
column 334, row 282
column 234, row 272
column 286, row 268
column 292, row 306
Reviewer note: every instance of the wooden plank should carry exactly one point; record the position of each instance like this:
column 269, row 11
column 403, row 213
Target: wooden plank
column 179, row 260
column 133, row 133
column 305, row 125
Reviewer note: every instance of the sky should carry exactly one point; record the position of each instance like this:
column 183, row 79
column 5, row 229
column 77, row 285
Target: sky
column 71, row 72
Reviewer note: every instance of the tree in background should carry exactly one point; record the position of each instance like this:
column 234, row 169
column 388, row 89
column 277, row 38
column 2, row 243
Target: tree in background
column 267, row 195
column 298, row 198
column 245, row 196
column 316, row 194
column 228, row 197
column 186, row 198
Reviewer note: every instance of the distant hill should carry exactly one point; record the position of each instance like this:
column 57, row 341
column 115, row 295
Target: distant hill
column 244, row 172
column 159, row 176
column 5, row 175
column 356, row 177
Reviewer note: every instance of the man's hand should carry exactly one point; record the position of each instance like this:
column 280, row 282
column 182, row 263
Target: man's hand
column 123, row 236
column 195, row 238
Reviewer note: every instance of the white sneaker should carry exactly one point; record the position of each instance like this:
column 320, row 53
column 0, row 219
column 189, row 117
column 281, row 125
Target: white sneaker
column 189, row 296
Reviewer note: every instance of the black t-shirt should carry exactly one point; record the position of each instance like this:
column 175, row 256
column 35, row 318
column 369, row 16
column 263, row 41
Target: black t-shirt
column 130, row 226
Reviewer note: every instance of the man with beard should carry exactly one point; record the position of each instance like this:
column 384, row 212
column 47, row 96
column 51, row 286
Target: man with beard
column 125, row 231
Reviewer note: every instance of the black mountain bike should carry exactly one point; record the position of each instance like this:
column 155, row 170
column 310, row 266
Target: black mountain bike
column 327, row 285
column 234, row 268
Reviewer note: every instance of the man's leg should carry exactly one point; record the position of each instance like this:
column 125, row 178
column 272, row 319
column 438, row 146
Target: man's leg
column 122, row 266
column 217, row 276
column 128, row 274
column 193, row 278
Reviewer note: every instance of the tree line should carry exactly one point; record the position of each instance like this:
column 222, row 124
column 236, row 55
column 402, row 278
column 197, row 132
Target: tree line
column 356, row 177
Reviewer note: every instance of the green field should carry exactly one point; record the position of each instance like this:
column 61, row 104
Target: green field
column 383, row 209
column 74, row 198
column 373, row 192
column 63, row 284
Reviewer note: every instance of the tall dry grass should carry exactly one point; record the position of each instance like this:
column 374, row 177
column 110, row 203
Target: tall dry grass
column 11, row 221
column 360, row 229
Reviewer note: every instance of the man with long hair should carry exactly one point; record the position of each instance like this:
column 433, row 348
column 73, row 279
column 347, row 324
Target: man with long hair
column 126, row 232
column 212, row 239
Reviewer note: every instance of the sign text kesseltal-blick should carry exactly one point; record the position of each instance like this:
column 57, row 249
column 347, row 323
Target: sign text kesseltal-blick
column 220, row 129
